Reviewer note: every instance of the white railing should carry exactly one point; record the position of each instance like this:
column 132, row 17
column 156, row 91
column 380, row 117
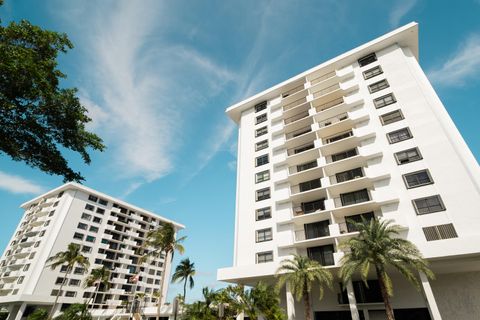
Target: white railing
column 333, row 120
column 298, row 132
column 296, row 117
column 329, row 104
column 294, row 104
column 322, row 78
column 325, row 91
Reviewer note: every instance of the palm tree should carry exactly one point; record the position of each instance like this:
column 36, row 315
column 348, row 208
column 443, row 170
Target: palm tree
column 77, row 311
column 300, row 273
column 377, row 245
column 162, row 241
column 185, row 272
column 69, row 258
column 96, row 278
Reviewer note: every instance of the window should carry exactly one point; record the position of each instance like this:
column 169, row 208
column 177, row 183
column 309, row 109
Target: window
column 417, row 179
column 82, row 226
column 440, row 232
column 322, row 254
column 60, row 280
column 261, row 118
column 339, row 137
column 261, row 131
column 261, row 160
column 428, row 205
column 264, row 235
column 26, row 267
column 36, row 244
column 391, row 117
column 363, row 61
column 55, row 204
column 89, row 207
column 42, row 233
column 90, row 239
column 100, row 211
column 78, row 236
column 263, row 194
column 63, row 269
column 79, row 271
column 344, row 155
column 262, row 176
column 261, row 106
column 407, row 156
column 358, row 218
column 309, row 185
column 384, row 101
column 399, row 135
column 370, row 73
column 55, row 292
column 263, row 214
column 103, row 202
column 354, row 197
column 86, row 216
column 93, row 229
column 70, row 294
column 261, row 145
column 51, row 213
column 97, row 219
column 349, row 175
column 306, row 166
column 315, row 230
column 263, row 257
column 86, row 249
column 20, row 280
column 377, row 86
column 92, row 198
column 74, row 282
column 60, row 194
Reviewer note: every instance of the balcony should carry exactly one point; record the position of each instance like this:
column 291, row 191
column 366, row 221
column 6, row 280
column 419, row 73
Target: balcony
column 309, row 207
column 295, row 118
column 294, row 104
column 298, row 132
column 302, row 148
column 348, row 175
column 306, row 186
column 323, row 78
column 338, row 136
column 293, row 91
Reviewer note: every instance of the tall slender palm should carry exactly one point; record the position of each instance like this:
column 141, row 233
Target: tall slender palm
column 185, row 272
column 378, row 246
column 162, row 241
column 300, row 273
column 96, row 278
column 69, row 258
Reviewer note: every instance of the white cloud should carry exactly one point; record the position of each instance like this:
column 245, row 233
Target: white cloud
column 401, row 8
column 16, row 184
column 463, row 65
column 140, row 87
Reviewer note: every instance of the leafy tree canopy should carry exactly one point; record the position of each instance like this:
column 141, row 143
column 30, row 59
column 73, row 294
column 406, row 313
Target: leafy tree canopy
column 38, row 117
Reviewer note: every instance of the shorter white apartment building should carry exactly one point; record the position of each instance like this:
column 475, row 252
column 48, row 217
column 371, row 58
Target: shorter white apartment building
column 361, row 135
column 110, row 233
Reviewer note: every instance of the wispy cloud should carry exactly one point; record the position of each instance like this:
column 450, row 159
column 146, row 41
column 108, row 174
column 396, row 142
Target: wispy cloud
column 401, row 8
column 19, row 185
column 134, row 75
column 463, row 65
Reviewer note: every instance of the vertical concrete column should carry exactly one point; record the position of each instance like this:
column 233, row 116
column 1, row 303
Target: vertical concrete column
column 10, row 310
column 290, row 303
column 20, row 312
column 240, row 316
column 431, row 303
column 352, row 301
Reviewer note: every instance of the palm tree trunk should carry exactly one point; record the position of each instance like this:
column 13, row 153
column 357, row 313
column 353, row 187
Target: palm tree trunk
column 50, row 315
column 160, row 294
column 306, row 301
column 386, row 298
column 95, row 295
column 185, row 289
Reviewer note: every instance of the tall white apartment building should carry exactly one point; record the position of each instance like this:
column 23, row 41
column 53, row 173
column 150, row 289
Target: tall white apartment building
column 110, row 233
column 363, row 134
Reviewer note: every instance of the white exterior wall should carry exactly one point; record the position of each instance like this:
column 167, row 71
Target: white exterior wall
column 454, row 170
column 39, row 280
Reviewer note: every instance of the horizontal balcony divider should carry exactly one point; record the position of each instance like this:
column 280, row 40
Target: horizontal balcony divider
column 296, row 117
column 295, row 103
column 325, row 91
column 329, row 104
column 301, row 148
column 293, row 91
column 322, row 78
column 298, row 132
column 338, row 136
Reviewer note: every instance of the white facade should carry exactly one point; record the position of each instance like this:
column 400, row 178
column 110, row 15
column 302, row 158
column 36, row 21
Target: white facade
column 110, row 233
column 362, row 133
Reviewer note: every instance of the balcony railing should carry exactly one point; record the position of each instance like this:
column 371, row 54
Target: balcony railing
column 326, row 91
column 303, row 167
column 347, row 175
column 351, row 198
column 292, row 91
column 298, row 132
column 296, row 117
column 310, row 207
column 322, row 78
column 295, row 103
column 329, row 104
column 338, row 136
column 301, row 148
column 306, row 186
column 333, row 120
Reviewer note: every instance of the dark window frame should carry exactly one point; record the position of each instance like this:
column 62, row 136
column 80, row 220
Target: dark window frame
column 429, row 207
column 264, row 254
column 260, row 162
column 382, row 101
column 263, row 194
column 266, row 213
column 371, row 73
column 378, row 86
column 391, row 120
column 261, row 106
column 261, row 131
column 261, row 118
column 402, row 137
column 267, row 235
column 367, row 59
column 407, row 184
column 262, row 174
column 418, row 157
column 261, row 145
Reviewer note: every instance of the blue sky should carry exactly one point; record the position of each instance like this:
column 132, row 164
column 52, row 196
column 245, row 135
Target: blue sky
column 157, row 76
